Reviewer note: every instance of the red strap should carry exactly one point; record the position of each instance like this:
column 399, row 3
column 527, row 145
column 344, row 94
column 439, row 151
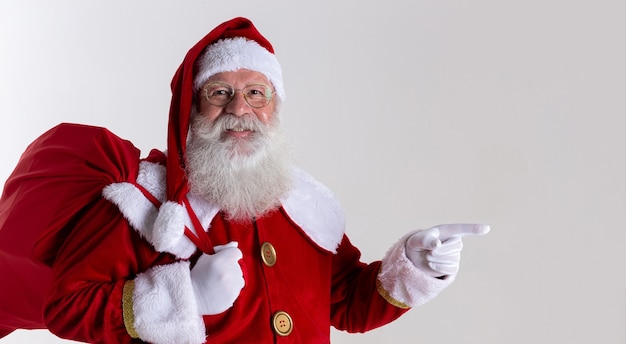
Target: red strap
column 201, row 238
column 148, row 195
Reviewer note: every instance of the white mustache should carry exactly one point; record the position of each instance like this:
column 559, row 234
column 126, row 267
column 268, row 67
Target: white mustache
column 235, row 123
column 214, row 129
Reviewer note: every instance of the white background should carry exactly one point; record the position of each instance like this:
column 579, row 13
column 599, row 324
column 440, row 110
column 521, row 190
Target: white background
column 415, row 113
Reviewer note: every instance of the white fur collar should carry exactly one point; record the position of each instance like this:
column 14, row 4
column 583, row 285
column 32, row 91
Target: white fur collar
column 310, row 205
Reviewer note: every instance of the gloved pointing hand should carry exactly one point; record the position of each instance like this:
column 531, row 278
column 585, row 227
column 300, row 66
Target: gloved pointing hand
column 217, row 279
column 437, row 250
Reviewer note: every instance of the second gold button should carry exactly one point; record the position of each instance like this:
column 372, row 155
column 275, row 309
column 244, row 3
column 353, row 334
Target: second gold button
column 282, row 323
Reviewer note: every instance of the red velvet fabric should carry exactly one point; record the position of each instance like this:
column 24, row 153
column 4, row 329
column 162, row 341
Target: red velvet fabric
column 317, row 288
column 57, row 180
column 54, row 195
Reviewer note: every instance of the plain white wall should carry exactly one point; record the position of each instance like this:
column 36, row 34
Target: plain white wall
column 414, row 112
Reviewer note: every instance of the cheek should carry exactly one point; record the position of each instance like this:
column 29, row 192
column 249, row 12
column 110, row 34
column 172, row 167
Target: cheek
column 211, row 112
column 265, row 114
column 264, row 117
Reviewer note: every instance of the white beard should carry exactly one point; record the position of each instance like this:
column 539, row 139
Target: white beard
column 243, row 177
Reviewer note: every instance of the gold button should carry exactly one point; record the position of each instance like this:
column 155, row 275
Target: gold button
column 282, row 323
column 268, row 254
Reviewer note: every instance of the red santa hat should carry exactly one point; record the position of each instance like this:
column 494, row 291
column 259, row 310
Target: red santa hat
column 232, row 45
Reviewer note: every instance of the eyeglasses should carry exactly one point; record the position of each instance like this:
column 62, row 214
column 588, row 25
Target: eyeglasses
column 220, row 94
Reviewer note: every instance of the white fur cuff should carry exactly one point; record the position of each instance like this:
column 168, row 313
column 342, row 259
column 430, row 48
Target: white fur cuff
column 404, row 282
column 164, row 306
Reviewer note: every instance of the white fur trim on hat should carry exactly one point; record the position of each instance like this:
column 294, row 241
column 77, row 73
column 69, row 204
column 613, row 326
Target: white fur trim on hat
column 231, row 54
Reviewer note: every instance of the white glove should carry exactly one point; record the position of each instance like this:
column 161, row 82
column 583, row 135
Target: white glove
column 217, row 279
column 437, row 250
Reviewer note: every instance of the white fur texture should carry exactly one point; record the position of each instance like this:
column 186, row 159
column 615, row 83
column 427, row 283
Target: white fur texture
column 165, row 307
column 231, row 54
column 135, row 207
column 315, row 209
column 152, row 177
column 169, row 231
column 406, row 283
column 310, row 204
column 164, row 228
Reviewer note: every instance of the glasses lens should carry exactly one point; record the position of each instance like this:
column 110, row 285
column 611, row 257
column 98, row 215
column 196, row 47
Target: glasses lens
column 257, row 95
column 218, row 94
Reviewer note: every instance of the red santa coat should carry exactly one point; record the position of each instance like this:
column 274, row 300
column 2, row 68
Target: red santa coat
column 119, row 264
column 115, row 269
column 315, row 277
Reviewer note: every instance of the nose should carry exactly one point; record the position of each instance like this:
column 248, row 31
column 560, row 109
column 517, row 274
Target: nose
column 238, row 106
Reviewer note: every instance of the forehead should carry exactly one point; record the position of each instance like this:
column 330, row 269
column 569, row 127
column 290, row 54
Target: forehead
column 241, row 76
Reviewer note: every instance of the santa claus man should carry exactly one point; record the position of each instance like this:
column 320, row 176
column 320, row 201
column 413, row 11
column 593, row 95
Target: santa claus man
column 221, row 239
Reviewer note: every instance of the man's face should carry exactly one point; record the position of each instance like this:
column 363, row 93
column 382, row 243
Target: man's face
column 237, row 155
column 238, row 106
column 240, row 129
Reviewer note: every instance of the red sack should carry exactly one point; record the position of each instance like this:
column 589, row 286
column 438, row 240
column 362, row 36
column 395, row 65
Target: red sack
column 59, row 176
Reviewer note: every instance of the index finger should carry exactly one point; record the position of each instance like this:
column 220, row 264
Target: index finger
column 461, row 229
column 225, row 246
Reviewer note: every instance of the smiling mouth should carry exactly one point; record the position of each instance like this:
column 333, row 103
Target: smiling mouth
column 239, row 132
column 238, row 129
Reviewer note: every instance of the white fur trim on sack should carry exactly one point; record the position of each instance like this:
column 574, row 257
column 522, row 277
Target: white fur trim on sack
column 406, row 283
column 135, row 207
column 169, row 231
column 164, row 306
column 164, row 228
column 231, row 54
column 152, row 177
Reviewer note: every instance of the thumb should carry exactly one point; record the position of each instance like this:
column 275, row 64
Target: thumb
column 427, row 239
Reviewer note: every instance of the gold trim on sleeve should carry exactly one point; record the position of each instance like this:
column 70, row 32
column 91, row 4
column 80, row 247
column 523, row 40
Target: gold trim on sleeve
column 385, row 294
column 127, row 308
